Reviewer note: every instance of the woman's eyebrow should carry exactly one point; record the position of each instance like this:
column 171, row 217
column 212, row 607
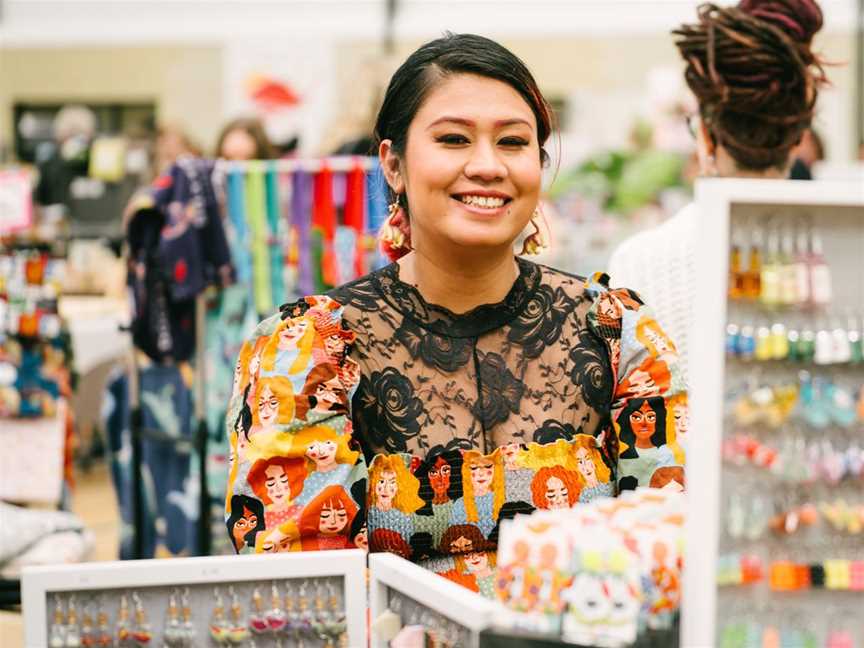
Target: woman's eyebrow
column 470, row 124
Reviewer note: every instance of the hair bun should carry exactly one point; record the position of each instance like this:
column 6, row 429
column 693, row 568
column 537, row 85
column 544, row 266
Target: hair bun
column 801, row 19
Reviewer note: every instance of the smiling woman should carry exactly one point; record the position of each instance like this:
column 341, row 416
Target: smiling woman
column 474, row 378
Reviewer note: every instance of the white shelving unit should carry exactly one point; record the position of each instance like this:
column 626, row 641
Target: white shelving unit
column 391, row 574
column 39, row 584
column 838, row 209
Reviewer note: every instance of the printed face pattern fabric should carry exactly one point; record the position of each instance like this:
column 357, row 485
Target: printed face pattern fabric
column 297, row 480
column 563, row 392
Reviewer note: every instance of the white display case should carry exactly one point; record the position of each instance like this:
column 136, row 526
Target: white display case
column 154, row 579
column 443, row 602
column 837, row 210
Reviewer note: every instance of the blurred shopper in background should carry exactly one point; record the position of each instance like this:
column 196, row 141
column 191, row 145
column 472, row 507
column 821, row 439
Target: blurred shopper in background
column 756, row 80
column 244, row 139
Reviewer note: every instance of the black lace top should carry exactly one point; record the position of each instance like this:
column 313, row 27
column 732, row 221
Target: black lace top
column 526, row 369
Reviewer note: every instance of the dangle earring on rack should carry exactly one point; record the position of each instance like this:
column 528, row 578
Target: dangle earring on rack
column 257, row 621
column 188, row 628
column 173, row 635
column 88, row 630
column 103, row 637
column 338, row 625
column 239, row 631
column 122, row 631
column 141, row 633
column 73, row 633
column 277, row 620
column 57, row 634
column 219, row 628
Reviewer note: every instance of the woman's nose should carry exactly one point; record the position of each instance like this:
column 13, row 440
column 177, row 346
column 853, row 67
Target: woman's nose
column 485, row 163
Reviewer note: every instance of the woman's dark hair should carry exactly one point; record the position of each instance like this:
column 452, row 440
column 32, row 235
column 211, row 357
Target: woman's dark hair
column 254, row 129
column 446, row 56
column 238, row 504
column 244, row 418
column 454, row 492
column 754, row 75
column 626, row 434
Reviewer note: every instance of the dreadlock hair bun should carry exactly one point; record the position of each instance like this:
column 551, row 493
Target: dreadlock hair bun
column 754, row 75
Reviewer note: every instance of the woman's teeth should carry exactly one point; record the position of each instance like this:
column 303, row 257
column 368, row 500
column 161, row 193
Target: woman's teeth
column 486, row 202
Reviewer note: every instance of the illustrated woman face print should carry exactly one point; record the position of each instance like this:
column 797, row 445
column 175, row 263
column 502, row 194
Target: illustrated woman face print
column 385, row 490
column 586, row 467
column 682, row 421
column 510, row 452
column 477, row 562
column 439, row 479
column 277, row 484
column 243, row 525
column 328, row 394
column 289, row 336
column 461, row 545
column 361, row 539
column 334, row 345
column 643, row 422
column 660, row 342
column 333, row 518
column 323, row 453
column 481, row 476
column 268, row 407
column 556, row 494
column 276, row 542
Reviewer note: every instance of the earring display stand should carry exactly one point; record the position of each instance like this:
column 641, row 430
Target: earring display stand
column 730, row 210
column 423, row 597
column 104, row 585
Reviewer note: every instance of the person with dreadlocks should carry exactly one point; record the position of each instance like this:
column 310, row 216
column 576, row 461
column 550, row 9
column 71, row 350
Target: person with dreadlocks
column 756, row 79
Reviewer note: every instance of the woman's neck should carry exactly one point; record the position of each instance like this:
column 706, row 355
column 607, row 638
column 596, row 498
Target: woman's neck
column 459, row 288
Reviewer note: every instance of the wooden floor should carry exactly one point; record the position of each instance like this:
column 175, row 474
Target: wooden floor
column 95, row 504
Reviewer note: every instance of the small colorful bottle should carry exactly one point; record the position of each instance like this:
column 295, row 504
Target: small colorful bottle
column 779, row 341
column 770, row 276
column 856, row 343
column 788, row 271
column 736, row 270
column 753, row 274
column 820, row 274
column 802, row 269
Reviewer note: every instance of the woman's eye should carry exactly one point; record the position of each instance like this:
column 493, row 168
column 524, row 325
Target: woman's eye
column 513, row 141
column 451, row 139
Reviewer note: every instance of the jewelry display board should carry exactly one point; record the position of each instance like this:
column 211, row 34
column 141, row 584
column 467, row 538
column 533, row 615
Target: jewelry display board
column 776, row 464
column 421, row 597
column 309, row 599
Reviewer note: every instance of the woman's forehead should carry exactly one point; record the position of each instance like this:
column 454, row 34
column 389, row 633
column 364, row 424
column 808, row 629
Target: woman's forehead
column 474, row 100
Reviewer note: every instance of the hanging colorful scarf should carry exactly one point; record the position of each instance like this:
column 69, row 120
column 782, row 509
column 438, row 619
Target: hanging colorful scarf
column 237, row 217
column 277, row 261
column 324, row 221
column 376, row 207
column 354, row 203
column 301, row 215
column 256, row 208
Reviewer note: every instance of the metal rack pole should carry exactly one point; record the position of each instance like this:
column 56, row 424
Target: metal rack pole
column 135, row 433
column 201, row 434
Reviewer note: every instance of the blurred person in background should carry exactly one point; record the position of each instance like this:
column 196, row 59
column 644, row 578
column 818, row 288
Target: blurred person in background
column 756, row 80
column 244, row 139
column 74, row 130
column 171, row 143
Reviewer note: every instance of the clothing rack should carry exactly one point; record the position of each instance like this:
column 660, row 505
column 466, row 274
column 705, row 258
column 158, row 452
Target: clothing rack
column 337, row 163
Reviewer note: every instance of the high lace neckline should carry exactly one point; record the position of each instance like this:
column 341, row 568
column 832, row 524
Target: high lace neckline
column 440, row 320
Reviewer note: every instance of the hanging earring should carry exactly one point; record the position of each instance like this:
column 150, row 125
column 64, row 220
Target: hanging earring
column 103, row 638
column 122, row 631
column 189, row 631
column 173, row 635
column 73, row 633
column 276, row 618
column 218, row 623
column 239, row 631
column 141, row 634
column 339, row 627
column 57, row 634
column 395, row 235
column 88, row 630
column 257, row 622
column 538, row 240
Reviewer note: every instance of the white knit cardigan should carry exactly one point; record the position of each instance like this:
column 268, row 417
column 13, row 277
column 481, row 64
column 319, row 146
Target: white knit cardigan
column 658, row 264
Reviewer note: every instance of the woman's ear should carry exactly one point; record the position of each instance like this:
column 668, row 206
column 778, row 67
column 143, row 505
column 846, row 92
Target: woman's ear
column 391, row 165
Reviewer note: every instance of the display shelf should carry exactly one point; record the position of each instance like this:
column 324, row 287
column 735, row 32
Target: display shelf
column 154, row 580
column 836, row 210
column 394, row 577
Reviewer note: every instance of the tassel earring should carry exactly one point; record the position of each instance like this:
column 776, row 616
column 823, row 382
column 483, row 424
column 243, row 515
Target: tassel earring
column 395, row 235
column 538, row 240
